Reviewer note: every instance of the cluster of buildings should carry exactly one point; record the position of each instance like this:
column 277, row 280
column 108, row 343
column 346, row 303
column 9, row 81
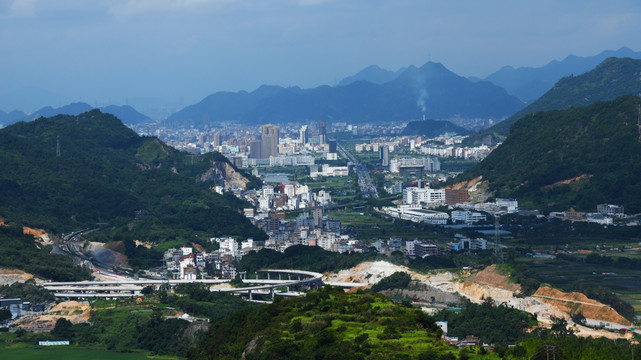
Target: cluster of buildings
column 441, row 146
column 309, row 229
column 19, row 308
column 184, row 263
column 290, row 196
column 605, row 215
column 423, row 248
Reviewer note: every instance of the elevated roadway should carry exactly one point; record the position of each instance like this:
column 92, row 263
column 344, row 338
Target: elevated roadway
column 270, row 283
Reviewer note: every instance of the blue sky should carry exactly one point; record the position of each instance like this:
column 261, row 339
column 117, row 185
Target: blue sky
column 115, row 51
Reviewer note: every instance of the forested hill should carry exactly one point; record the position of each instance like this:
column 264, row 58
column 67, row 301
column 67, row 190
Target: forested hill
column 614, row 77
column 327, row 324
column 70, row 172
column 433, row 128
column 577, row 157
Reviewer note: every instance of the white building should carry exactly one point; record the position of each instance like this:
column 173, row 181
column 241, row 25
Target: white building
column 417, row 196
column 467, row 216
column 228, row 246
column 267, row 191
column 327, row 170
column 509, row 205
column 417, row 214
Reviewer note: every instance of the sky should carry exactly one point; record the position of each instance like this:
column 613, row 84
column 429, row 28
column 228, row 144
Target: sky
column 179, row 51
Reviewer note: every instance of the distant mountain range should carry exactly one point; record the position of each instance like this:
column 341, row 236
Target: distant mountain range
column 431, row 89
column 373, row 74
column 578, row 157
column 612, row 78
column 125, row 113
column 528, row 84
column 11, row 117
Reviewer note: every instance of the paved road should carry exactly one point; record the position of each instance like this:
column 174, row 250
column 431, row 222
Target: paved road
column 364, row 179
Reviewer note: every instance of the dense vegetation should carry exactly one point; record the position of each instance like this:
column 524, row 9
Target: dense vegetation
column 326, row 324
column 106, row 173
column 578, row 157
column 310, row 258
column 398, row 280
column 614, row 77
column 125, row 325
column 20, row 251
column 197, row 299
column 27, row 291
column 500, row 325
column 433, row 128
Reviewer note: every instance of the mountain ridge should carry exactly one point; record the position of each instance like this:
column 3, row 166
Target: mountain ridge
column 68, row 172
column 125, row 113
column 530, row 83
column 577, row 157
column 431, row 89
column 611, row 78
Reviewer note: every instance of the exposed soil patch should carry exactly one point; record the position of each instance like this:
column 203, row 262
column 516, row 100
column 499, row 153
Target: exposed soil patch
column 491, row 276
column 71, row 310
column 566, row 181
column 10, row 276
column 576, row 302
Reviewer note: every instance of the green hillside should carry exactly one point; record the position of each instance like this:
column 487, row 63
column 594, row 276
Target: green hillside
column 105, row 173
column 328, row 324
column 614, row 77
column 578, row 157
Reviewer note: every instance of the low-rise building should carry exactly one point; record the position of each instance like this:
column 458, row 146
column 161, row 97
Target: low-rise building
column 467, row 216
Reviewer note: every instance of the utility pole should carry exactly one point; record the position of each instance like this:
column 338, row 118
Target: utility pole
column 498, row 251
column 57, row 146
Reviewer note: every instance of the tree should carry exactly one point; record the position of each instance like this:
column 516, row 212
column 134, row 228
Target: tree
column 548, row 351
column 63, row 329
column 5, row 314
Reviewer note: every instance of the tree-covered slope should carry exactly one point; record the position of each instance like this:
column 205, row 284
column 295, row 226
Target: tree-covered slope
column 577, row 157
column 104, row 173
column 614, row 77
column 433, row 128
column 327, row 324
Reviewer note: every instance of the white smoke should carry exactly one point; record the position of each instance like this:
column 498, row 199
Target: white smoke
column 423, row 96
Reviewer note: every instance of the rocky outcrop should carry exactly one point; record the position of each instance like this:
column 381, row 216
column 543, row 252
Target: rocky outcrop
column 223, row 174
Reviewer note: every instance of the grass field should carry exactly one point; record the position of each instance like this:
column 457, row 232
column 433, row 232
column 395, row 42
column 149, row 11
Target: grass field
column 23, row 351
column 372, row 227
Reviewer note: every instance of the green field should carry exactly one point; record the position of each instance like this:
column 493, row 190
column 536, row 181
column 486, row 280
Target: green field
column 372, row 227
column 34, row 352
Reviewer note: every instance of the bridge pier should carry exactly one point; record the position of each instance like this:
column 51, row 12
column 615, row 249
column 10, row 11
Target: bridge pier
column 249, row 292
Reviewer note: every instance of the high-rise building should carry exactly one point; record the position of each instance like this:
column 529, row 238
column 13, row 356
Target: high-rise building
column 322, row 132
column 255, row 150
column 384, row 155
column 304, row 135
column 269, row 141
column 332, row 146
column 216, row 139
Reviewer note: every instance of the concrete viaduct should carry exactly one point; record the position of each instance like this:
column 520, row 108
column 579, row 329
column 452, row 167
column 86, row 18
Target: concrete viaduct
column 268, row 284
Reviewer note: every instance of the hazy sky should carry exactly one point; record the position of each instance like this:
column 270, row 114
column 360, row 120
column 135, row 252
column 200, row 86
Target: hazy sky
column 108, row 51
